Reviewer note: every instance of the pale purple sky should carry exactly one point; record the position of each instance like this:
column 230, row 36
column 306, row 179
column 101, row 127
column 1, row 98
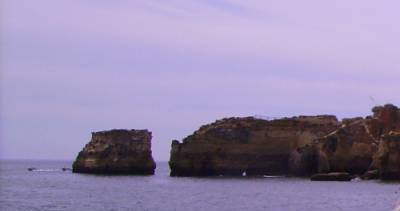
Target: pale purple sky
column 72, row 67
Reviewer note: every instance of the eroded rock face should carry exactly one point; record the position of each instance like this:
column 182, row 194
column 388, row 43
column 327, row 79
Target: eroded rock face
column 299, row 146
column 117, row 152
column 255, row 146
column 352, row 148
column 348, row 149
column 388, row 157
column 385, row 119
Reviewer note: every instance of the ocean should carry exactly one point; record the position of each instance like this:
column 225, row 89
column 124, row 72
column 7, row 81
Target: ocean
column 50, row 188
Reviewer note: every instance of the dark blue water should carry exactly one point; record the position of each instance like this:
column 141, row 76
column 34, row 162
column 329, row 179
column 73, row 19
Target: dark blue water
column 54, row 189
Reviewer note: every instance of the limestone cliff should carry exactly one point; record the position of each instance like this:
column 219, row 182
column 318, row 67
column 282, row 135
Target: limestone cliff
column 348, row 149
column 353, row 147
column 387, row 159
column 385, row 119
column 117, row 152
column 234, row 146
column 298, row 146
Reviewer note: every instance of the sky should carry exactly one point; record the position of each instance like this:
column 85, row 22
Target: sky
column 68, row 68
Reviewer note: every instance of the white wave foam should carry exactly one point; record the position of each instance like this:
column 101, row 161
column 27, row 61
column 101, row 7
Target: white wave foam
column 47, row 170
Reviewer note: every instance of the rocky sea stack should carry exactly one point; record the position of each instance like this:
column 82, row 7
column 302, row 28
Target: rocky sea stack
column 297, row 146
column 251, row 146
column 117, row 152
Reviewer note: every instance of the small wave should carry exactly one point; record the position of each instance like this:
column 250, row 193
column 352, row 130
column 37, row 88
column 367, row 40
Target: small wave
column 272, row 176
column 49, row 170
column 357, row 179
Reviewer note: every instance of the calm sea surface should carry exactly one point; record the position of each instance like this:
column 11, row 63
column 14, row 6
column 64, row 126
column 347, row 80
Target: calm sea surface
column 53, row 189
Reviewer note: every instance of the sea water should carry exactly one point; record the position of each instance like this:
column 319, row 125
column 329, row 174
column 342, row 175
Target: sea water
column 50, row 188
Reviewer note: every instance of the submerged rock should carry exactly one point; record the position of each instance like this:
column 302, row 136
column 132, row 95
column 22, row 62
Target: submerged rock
column 369, row 175
column 116, row 152
column 333, row 176
column 258, row 147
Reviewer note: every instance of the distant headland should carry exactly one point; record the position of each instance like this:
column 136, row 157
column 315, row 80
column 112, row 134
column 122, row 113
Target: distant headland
column 320, row 147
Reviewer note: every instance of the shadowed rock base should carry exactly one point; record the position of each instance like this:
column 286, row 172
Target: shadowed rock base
column 122, row 171
column 369, row 175
column 333, row 176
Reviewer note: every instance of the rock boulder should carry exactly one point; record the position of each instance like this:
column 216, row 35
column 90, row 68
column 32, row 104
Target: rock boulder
column 333, row 176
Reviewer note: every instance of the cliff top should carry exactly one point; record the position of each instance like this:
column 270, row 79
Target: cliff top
column 238, row 126
column 117, row 135
column 120, row 131
column 386, row 111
